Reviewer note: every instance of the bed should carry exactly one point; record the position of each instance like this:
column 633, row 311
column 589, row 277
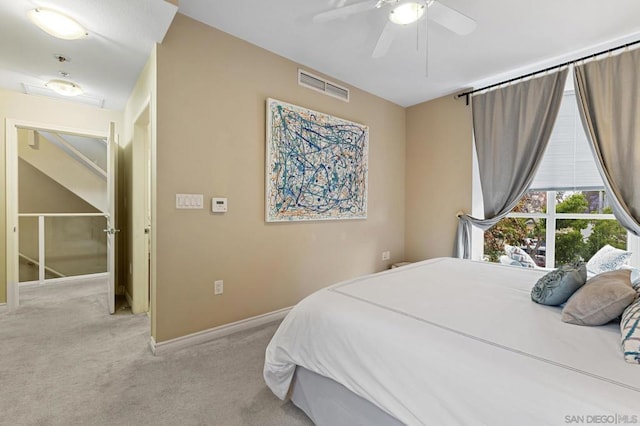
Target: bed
column 446, row 342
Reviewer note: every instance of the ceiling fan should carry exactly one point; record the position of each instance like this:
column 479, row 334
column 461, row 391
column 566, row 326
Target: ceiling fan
column 401, row 13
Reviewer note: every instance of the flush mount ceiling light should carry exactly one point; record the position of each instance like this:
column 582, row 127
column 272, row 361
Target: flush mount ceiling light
column 407, row 13
column 64, row 88
column 56, row 24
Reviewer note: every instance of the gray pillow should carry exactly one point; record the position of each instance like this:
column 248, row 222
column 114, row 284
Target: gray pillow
column 557, row 286
column 602, row 299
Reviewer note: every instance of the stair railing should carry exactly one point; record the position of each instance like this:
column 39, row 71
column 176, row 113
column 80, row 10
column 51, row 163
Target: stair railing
column 41, row 261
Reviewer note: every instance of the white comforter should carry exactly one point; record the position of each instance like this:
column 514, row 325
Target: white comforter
column 447, row 341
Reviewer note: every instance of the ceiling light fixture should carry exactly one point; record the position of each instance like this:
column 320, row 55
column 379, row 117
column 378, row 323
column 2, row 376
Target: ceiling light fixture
column 64, row 88
column 56, row 24
column 407, row 13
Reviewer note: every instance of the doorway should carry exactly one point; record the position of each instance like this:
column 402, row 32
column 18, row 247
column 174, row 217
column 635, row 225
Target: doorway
column 63, row 227
column 139, row 284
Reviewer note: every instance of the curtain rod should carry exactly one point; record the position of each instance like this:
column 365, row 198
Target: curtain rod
column 593, row 55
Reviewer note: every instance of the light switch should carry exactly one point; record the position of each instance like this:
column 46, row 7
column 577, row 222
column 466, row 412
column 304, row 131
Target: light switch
column 189, row 201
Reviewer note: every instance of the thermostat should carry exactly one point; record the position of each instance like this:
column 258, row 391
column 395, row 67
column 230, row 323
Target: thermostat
column 219, row 205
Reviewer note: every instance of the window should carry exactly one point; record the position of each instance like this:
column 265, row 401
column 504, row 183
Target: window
column 556, row 227
column 565, row 215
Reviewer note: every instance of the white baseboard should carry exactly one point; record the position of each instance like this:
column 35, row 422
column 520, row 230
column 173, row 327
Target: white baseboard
column 216, row 332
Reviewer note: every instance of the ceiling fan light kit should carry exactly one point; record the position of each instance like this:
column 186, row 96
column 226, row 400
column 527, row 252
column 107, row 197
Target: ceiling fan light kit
column 407, row 13
column 402, row 13
column 57, row 24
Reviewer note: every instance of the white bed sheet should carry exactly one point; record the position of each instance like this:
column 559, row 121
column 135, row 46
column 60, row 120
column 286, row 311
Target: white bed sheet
column 448, row 341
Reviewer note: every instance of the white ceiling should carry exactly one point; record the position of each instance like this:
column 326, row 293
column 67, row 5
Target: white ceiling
column 512, row 37
column 105, row 64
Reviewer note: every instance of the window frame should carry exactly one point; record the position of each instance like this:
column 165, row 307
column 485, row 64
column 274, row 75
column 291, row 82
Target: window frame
column 551, row 216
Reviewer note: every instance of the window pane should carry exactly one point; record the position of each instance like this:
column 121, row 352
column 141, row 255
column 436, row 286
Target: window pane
column 532, row 202
column 582, row 238
column 582, row 202
column 571, row 202
column 528, row 234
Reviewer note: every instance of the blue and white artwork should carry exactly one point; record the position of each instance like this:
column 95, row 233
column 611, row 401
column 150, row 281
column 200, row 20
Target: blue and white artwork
column 316, row 165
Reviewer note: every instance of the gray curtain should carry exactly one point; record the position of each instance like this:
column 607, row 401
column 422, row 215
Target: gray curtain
column 511, row 126
column 608, row 94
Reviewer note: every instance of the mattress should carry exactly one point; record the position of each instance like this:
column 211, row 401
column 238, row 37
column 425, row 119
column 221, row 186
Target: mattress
column 450, row 341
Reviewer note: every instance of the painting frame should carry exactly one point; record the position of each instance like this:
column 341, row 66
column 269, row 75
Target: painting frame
column 316, row 165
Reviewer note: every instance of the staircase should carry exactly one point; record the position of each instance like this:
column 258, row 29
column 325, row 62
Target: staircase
column 72, row 235
column 58, row 159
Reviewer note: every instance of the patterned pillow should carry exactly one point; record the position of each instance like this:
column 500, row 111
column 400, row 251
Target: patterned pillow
column 607, row 259
column 630, row 329
column 517, row 254
column 603, row 298
column 557, row 286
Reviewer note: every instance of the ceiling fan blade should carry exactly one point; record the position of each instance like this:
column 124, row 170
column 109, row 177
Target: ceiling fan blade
column 451, row 19
column 341, row 12
column 384, row 41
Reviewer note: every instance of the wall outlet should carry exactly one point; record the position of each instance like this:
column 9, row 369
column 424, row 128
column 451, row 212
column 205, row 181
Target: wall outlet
column 218, row 287
column 386, row 255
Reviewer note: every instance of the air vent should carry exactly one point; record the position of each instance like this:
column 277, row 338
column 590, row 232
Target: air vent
column 314, row 82
column 337, row 91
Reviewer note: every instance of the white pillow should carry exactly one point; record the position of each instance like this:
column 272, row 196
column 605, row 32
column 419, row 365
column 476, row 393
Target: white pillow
column 607, row 259
column 519, row 255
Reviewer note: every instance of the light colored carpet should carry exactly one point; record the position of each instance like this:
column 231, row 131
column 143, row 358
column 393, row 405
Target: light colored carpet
column 65, row 361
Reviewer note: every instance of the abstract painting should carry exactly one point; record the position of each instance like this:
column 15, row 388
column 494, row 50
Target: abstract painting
column 316, row 165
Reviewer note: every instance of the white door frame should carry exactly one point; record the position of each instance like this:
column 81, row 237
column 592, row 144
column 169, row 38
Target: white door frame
column 141, row 210
column 11, row 179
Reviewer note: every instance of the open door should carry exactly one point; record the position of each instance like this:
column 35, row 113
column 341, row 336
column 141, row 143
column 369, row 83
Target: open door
column 12, row 128
column 111, row 230
column 11, row 187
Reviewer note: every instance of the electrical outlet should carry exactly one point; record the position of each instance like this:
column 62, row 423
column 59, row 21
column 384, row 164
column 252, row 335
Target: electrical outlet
column 218, row 287
column 386, row 255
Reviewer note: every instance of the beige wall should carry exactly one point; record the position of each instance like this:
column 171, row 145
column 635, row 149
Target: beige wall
column 43, row 110
column 212, row 91
column 38, row 193
column 438, row 175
